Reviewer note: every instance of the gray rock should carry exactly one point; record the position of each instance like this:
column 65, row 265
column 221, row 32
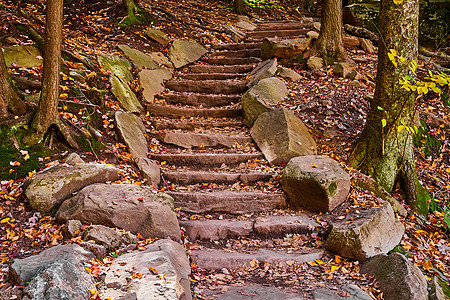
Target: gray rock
column 307, row 19
column 166, row 258
column 253, row 292
column 131, row 131
column 288, row 74
column 280, row 225
column 22, row 56
column 161, row 59
column 236, row 34
column 109, row 237
column 71, row 228
column 366, row 45
column 184, row 52
column 243, row 18
column 152, row 82
column 263, row 70
column 99, row 251
column 260, row 98
column 247, row 25
column 314, row 63
column 150, row 170
column 398, row 277
column 357, row 83
column 371, row 232
column 116, row 65
column 126, row 206
column 312, row 34
column 436, row 291
column 129, row 296
column 316, row 183
column 73, row 159
column 23, row 270
column 352, row 292
column 48, row 189
column 355, row 75
column 273, row 47
column 138, row 58
column 158, row 36
column 60, row 280
column 317, row 26
column 215, row 230
column 343, row 69
column 281, row 136
column 126, row 97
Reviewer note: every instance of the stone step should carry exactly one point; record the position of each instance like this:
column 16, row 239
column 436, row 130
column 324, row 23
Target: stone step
column 237, row 46
column 227, row 201
column 207, row 86
column 256, row 52
column 231, row 60
column 244, row 68
column 192, row 177
column 277, row 33
column 190, row 139
column 206, row 159
column 177, row 112
column 218, row 259
column 196, row 99
column 282, row 26
column 193, row 124
column 265, row 227
column 211, row 76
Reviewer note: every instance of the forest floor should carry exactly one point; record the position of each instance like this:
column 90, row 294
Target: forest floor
column 330, row 107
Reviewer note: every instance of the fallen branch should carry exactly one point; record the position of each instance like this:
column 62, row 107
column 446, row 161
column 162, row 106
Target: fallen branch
column 361, row 32
column 436, row 54
column 23, row 82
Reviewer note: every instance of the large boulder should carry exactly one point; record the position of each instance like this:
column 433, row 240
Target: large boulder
column 125, row 95
column 345, row 292
column 365, row 234
column 183, row 52
column 316, row 183
column 126, row 206
column 163, row 270
column 22, row 56
column 281, row 136
column 158, row 36
column 131, row 131
column 152, row 82
column 116, row 65
column 48, row 189
column 274, row 47
column 263, row 70
column 60, row 280
column 260, row 98
column 362, row 15
column 138, row 58
column 23, row 270
column 398, row 277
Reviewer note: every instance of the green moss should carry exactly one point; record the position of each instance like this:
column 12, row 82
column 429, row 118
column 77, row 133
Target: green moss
column 422, row 200
column 332, row 189
column 445, row 287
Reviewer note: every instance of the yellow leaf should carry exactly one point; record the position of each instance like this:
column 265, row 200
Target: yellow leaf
column 337, row 259
column 427, row 265
column 314, row 166
column 318, row 261
column 334, row 268
column 63, row 95
column 383, row 122
column 153, row 270
column 400, row 128
column 397, row 2
column 5, row 220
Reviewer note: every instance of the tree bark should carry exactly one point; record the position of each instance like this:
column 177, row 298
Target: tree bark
column 239, row 7
column 329, row 44
column 9, row 101
column 386, row 152
column 46, row 112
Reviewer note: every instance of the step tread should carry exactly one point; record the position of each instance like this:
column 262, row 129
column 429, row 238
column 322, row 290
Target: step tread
column 212, row 139
column 206, row 68
column 181, row 112
column 189, row 177
column 210, row 86
column 192, row 124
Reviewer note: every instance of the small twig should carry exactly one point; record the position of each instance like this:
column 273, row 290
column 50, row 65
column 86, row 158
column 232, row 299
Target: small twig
column 90, row 145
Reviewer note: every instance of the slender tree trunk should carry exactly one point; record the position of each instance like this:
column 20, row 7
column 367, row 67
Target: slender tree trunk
column 329, row 44
column 239, row 7
column 386, row 152
column 46, row 113
column 9, row 101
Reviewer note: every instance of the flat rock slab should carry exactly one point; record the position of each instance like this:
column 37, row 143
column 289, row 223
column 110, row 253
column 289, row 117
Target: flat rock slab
column 183, row 52
column 288, row 74
column 211, row 76
column 125, row 95
column 126, row 206
column 158, row 36
column 281, row 136
column 351, row 292
column 273, row 226
column 246, row 25
column 131, row 130
column 176, row 112
column 282, row 25
column 218, row 259
column 161, row 59
column 195, row 99
column 164, row 258
column 221, row 69
column 22, row 56
column 207, row 86
column 149, row 170
column 215, row 230
column 152, row 82
column 283, row 33
column 231, row 60
column 192, row 124
column 190, row 139
column 190, row 177
column 50, row 188
column 252, row 292
column 316, row 183
column 23, row 270
column 255, row 52
column 374, row 231
column 138, row 58
column 228, row 201
column 116, row 65
column 237, row 46
column 274, row 47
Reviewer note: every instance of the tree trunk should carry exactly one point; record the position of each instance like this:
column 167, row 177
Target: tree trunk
column 329, row 44
column 9, row 101
column 386, row 152
column 239, row 8
column 46, row 112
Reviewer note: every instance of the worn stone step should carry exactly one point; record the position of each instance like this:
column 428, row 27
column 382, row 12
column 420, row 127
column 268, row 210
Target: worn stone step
column 237, row 46
column 191, row 139
column 282, row 26
column 244, row 68
column 256, row 52
column 207, row 86
column 218, row 259
column 231, row 60
column 211, row 76
column 265, row 227
column 277, row 33
column 205, row 159
column 176, row 112
column 193, row 124
column 196, row 99
column 191, row 177
column 227, row 201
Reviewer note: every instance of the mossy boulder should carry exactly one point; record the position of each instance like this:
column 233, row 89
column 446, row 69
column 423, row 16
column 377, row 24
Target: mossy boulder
column 126, row 97
column 139, row 59
column 274, row 47
column 116, row 65
column 22, row 56
column 184, row 52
